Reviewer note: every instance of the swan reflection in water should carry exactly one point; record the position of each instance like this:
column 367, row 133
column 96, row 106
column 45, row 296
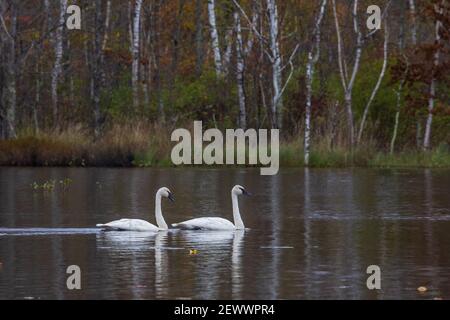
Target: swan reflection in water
column 129, row 255
column 216, row 264
column 216, row 268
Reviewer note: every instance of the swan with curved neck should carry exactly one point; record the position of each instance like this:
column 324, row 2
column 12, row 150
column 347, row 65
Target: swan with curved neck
column 142, row 225
column 218, row 224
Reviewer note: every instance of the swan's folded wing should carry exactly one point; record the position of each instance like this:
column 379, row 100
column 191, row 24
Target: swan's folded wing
column 142, row 225
column 205, row 224
column 128, row 225
column 122, row 224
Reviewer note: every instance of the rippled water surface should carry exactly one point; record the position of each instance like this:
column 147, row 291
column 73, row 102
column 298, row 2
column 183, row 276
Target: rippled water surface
column 312, row 234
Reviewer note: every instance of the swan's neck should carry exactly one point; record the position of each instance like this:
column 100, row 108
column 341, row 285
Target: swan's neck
column 236, row 214
column 158, row 213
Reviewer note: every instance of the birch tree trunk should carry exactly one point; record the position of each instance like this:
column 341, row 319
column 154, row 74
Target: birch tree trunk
column 412, row 10
column 413, row 15
column 431, row 101
column 277, row 101
column 399, row 91
column 397, row 117
column 105, row 39
column 136, row 52
column 107, row 24
column 348, row 84
column 240, row 66
column 56, row 72
column 313, row 57
column 379, row 81
column 432, row 93
column 215, row 38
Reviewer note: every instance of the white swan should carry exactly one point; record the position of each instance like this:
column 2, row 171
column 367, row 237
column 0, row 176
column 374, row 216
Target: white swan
column 141, row 225
column 218, row 224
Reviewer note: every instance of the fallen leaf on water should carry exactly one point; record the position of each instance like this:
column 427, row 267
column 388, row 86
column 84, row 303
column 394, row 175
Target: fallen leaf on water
column 193, row 252
column 422, row 289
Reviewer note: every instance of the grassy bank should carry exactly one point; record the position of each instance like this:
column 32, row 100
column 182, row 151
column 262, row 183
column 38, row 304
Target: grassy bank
column 120, row 145
column 322, row 156
column 144, row 145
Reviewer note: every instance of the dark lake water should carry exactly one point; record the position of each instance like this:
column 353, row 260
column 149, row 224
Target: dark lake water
column 313, row 233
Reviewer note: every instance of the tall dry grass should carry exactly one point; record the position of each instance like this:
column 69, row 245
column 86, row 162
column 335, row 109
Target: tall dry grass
column 119, row 145
column 148, row 144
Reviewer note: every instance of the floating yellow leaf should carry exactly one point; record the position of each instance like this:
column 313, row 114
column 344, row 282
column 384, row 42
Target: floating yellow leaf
column 422, row 289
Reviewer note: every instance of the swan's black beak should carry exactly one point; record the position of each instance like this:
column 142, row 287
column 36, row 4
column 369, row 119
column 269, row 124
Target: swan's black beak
column 246, row 193
column 171, row 197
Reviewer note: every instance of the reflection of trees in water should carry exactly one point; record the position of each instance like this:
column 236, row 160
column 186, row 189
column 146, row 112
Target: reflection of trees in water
column 236, row 265
column 274, row 269
column 332, row 256
column 7, row 247
column 311, row 288
column 431, row 246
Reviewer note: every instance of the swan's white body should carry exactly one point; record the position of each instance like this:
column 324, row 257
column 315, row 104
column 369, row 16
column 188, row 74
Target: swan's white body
column 142, row 225
column 217, row 224
column 130, row 225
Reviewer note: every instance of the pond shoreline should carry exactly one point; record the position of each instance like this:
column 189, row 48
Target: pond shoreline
column 380, row 161
column 140, row 147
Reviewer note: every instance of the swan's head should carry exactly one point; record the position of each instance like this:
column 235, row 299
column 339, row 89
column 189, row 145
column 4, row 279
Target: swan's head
column 240, row 190
column 166, row 193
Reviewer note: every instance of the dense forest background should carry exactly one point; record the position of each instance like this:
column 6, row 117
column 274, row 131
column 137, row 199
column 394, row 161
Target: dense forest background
column 111, row 92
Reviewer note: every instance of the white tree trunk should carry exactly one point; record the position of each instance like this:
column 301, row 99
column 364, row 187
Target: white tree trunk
column 105, row 41
column 399, row 98
column 56, row 72
column 427, row 136
column 378, row 84
column 135, row 52
column 277, row 101
column 215, row 38
column 348, row 84
column 313, row 56
column 107, row 24
column 413, row 15
column 240, row 66
column 432, row 93
column 397, row 117
column 412, row 10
